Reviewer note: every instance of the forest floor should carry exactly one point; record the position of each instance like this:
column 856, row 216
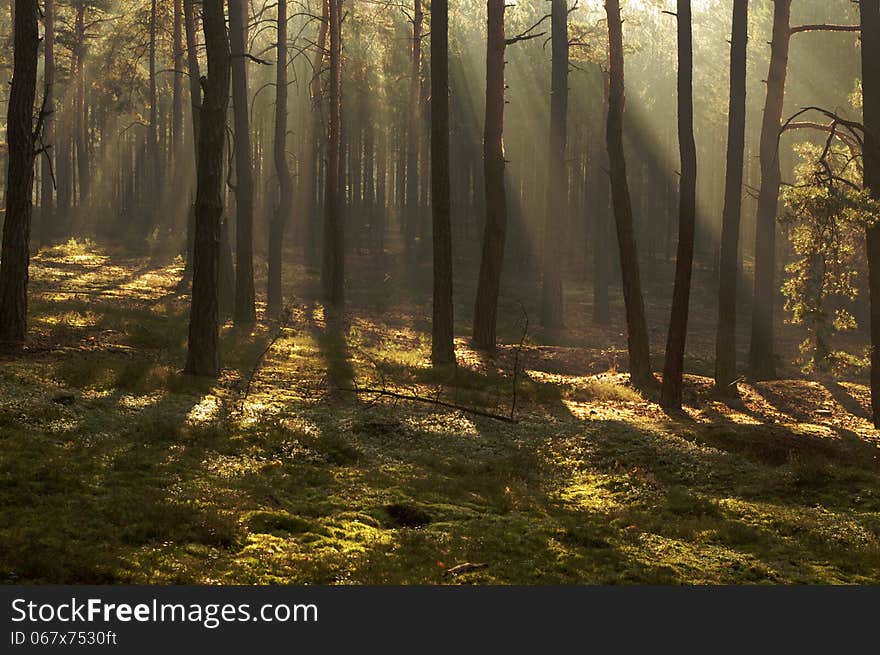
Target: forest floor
column 115, row 468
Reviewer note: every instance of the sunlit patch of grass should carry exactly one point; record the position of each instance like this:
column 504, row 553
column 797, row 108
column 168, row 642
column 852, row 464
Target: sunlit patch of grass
column 116, row 468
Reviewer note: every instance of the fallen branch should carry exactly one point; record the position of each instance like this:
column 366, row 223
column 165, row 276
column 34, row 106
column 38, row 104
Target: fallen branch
column 465, row 568
column 285, row 320
column 429, row 401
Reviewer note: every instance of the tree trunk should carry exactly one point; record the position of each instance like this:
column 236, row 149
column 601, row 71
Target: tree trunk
column 673, row 370
column 601, row 203
column 870, row 21
column 380, row 216
column 725, row 344
column 413, row 130
column 489, row 284
column 637, row 329
column 333, row 269
column 81, row 107
column 192, row 61
column 245, row 308
column 203, row 357
column 762, row 365
column 442, row 335
column 285, row 183
column 154, row 102
column 47, row 179
column 556, row 206
column 15, row 258
column 313, row 166
column 177, row 90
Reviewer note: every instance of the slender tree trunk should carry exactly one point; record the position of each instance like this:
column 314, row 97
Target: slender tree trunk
column 413, row 130
column 313, row 166
column 725, row 344
column 673, row 370
column 47, row 182
column 285, row 183
column 489, row 283
column 442, row 335
column 333, row 269
column 762, row 365
column 380, row 218
column 81, row 109
column 601, row 202
column 637, row 328
column 245, row 308
column 154, row 102
column 192, row 62
column 556, row 205
column 369, row 175
column 203, row 357
column 177, row 91
column 870, row 21
column 15, row 258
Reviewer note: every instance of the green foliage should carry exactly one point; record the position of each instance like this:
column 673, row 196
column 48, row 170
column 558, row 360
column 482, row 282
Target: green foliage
column 826, row 216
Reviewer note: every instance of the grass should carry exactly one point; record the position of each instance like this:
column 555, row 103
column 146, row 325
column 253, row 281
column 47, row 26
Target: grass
column 115, row 468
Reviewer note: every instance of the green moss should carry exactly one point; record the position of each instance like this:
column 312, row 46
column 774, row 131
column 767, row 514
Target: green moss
column 147, row 476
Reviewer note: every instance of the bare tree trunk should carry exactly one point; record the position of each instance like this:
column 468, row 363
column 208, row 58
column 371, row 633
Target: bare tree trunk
column 15, row 258
column 556, row 205
column 601, row 203
column 333, row 269
column 673, row 370
column 47, row 189
column 177, row 90
column 285, row 183
column 725, row 344
column 870, row 21
column 245, row 304
column 381, row 214
column 203, row 357
column 637, row 328
column 313, row 165
column 192, row 61
column 762, row 365
column 81, row 107
column 154, row 102
column 442, row 335
column 413, row 130
column 489, row 283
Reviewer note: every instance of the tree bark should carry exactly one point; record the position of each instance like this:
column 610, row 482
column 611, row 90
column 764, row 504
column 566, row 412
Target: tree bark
column 285, row 182
column 725, row 343
column 203, row 357
column 556, row 206
column 870, row 22
column 601, row 204
column 245, row 314
column 154, row 101
column 81, row 106
column 192, row 62
column 637, row 329
column 762, row 365
column 177, row 89
column 442, row 335
column 489, row 283
column 318, row 135
column 413, row 130
column 15, row 258
column 673, row 369
column 47, row 183
column 333, row 269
